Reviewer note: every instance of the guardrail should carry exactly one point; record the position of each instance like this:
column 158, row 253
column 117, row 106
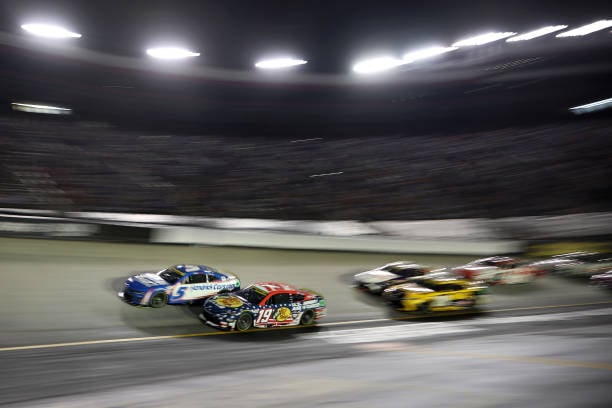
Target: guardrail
column 283, row 240
column 460, row 236
column 427, row 237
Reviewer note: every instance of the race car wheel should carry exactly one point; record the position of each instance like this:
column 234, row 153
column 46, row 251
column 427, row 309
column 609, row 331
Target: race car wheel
column 308, row 318
column 424, row 308
column 244, row 322
column 159, row 299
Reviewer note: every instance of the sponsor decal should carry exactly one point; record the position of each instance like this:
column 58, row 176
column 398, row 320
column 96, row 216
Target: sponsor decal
column 213, row 286
column 228, row 301
column 464, row 302
column 282, row 314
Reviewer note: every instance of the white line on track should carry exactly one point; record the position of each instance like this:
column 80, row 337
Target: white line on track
column 412, row 330
column 449, row 328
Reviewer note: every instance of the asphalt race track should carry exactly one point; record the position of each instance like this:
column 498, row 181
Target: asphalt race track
column 68, row 341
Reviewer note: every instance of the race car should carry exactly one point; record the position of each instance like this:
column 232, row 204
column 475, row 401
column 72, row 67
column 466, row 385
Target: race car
column 583, row 264
column 263, row 304
column 436, row 294
column 603, row 280
column 377, row 279
column 177, row 284
column 499, row 270
column 554, row 263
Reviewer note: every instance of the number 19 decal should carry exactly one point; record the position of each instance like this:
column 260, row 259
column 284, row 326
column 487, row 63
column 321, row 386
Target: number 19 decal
column 264, row 315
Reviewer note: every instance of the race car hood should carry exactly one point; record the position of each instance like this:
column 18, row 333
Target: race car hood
column 375, row 276
column 145, row 281
column 226, row 304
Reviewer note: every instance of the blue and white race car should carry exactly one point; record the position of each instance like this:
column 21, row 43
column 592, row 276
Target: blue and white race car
column 177, row 284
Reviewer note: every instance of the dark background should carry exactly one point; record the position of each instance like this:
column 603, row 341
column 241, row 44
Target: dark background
column 470, row 89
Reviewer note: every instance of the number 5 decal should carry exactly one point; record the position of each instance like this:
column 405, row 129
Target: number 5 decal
column 179, row 293
column 264, row 315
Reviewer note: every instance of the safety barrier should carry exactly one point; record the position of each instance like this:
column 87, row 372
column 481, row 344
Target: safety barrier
column 460, row 236
column 262, row 239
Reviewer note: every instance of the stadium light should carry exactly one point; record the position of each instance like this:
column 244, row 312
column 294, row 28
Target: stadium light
column 171, row 53
column 46, row 109
column 483, row 39
column 536, row 33
column 426, row 53
column 376, row 65
column 49, row 31
column 592, row 107
column 586, row 29
column 277, row 63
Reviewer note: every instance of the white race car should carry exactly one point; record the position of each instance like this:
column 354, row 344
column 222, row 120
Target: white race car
column 378, row 279
column 499, row 270
column 585, row 264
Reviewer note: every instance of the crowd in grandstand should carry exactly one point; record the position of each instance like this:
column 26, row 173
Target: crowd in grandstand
column 546, row 169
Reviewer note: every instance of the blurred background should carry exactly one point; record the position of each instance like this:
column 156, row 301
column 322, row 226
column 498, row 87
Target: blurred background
column 474, row 129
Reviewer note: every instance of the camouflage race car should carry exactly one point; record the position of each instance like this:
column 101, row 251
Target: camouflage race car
column 263, row 304
column 436, row 294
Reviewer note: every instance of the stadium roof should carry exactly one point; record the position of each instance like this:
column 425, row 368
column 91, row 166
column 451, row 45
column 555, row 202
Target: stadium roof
column 106, row 74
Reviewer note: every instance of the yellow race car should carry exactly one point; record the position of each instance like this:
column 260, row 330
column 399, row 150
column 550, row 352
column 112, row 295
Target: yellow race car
column 436, row 294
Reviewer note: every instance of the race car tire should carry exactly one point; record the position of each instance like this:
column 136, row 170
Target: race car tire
column 424, row 308
column 160, row 299
column 308, row 318
column 244, row 322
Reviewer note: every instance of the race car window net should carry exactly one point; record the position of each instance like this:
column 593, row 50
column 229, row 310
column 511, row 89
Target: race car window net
column 197, row 278
column 279, row 299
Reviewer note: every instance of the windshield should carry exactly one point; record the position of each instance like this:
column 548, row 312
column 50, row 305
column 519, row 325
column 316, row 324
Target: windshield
column 404, row 271
column 170, row 275
column 252, row 294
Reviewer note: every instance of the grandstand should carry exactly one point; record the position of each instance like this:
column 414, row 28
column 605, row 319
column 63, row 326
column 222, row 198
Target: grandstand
column 546, row 169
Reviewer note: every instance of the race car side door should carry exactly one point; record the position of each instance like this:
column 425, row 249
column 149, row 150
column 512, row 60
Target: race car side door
column 276, row 310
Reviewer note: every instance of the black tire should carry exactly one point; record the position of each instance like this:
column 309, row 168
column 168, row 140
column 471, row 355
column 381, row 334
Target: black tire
column 244, row 322
column 160, row 299
column 424, row 308
column 308, row 318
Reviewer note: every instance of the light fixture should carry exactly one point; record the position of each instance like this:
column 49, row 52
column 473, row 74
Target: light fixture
column 36, row 108
column 171, row 53
column 425, row 53
column 536, row 33
column 49, row 31
column 586, row 29
column 483, row 39
column 277, row 63
column 375, row 65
